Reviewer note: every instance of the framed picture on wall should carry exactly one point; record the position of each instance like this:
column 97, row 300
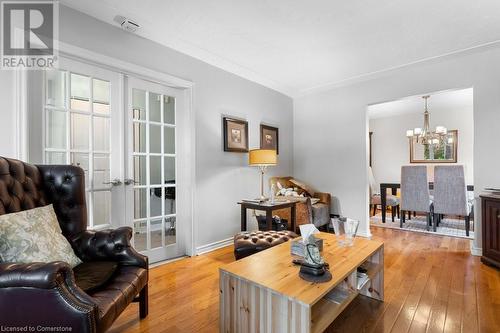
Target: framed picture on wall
column 269, row 138
column 235, row 135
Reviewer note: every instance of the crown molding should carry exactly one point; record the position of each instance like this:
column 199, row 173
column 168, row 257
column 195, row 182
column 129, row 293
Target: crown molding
column 375, row 74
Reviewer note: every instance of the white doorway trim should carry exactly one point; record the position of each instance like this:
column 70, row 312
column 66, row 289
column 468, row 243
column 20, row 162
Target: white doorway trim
column 124, row 68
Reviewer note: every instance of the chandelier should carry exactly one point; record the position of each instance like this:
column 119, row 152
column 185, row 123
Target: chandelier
column 424, row 135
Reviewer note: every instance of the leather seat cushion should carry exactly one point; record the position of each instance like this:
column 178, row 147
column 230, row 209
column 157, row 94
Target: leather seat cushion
column 91, row 275
column 120, row 290
column 250, row 242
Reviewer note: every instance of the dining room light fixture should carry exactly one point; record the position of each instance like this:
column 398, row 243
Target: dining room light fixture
column 425, row 135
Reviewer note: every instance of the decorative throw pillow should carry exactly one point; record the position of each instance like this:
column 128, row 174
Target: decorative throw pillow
column 34, row 236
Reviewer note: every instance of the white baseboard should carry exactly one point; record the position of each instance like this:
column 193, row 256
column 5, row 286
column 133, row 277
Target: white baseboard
column 213, row 246
column 475, row 251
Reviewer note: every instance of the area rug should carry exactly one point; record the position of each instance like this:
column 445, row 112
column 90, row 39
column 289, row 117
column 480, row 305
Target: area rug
column 447, row 227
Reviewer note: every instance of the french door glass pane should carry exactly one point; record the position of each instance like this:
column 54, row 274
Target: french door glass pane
column 169, row 110
column 169, row 140
column 101, row 170
column 100, row 96
column 139, row 138
column 139, row 104
column 140, row 236
column 140, row 170
column 102, row 207
column 155, row 170
column 80, row 131
column 56, row 129
column 156, row 233
column 55, row 158
column 55, row 88
column 154, row 107
column 80, row 92
column 155, row 201
column 170, row 200
column 100, row 92
column 140, row 203
column 101, row 133
column 155, row 139
column 170, row 230
column 82, row 160
column 169, row 167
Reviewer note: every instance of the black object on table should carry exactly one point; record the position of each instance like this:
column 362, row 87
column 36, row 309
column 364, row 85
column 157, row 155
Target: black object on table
column 394, row 190
column 268, row 208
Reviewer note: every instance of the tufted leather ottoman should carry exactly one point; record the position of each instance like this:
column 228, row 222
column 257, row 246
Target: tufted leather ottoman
column 250, row 242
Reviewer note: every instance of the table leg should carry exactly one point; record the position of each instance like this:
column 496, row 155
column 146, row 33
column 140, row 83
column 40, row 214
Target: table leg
column 293, row 212
column 243, row 218
column 383, row 201
column 269, row 219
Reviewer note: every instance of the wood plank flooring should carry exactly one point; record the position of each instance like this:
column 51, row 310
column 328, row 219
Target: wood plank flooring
column 432, row 284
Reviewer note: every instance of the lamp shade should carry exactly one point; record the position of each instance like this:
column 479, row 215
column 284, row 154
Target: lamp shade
column 262, row 157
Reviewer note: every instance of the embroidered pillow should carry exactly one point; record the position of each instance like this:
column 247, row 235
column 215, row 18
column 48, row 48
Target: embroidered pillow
column 34, row 235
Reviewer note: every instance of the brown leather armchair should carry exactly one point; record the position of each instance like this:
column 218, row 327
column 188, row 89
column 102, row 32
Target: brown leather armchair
column 317, row 213
column 45, row 294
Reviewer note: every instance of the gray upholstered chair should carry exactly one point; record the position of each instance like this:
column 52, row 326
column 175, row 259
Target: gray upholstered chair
column 450, row 194
column 375, row 199
column 415, row 196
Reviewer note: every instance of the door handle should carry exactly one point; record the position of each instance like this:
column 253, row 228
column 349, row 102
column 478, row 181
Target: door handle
column 114, row 182
column 129, row 181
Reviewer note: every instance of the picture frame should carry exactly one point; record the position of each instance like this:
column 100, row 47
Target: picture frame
column 447, row 153
column 269, row 138
column 235, row 132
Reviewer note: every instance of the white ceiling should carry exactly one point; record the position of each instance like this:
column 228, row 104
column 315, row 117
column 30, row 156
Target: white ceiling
column 297, row 46
column 446, row 100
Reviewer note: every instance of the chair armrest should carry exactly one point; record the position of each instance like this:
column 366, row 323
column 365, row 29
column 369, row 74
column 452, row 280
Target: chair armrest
column 45, row 294
column 109, row 244
column 34, row 275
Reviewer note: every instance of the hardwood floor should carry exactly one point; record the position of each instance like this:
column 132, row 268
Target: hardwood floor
column 432, row 284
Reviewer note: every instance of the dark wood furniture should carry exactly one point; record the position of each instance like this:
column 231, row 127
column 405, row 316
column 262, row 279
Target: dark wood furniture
column 491, row 229
column 268, row 208
column 45, row 294
column 394, row 190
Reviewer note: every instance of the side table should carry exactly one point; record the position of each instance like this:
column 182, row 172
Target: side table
column 268, row 208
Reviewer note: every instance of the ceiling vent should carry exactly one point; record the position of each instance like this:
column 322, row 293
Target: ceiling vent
column 126, row 24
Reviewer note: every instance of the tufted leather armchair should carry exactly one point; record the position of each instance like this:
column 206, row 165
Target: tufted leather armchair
column 45, row 294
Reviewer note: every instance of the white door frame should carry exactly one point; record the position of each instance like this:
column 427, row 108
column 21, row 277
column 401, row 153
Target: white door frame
column 129, row 69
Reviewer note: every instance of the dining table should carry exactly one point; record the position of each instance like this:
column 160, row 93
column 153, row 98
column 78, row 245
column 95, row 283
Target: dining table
column 394, row 190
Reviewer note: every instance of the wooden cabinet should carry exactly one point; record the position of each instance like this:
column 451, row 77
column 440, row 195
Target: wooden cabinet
column 491, row 229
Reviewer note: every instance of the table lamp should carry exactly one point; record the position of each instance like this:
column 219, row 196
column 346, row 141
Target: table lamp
column 262, row 158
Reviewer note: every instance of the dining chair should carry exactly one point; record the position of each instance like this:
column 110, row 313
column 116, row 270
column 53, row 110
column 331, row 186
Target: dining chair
column 415, row 196
column 450, row 194
column 375, row 199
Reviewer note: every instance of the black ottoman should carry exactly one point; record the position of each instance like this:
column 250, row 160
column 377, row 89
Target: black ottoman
column 250, row 242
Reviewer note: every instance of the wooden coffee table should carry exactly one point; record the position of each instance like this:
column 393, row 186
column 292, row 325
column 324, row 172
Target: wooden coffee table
column 264, row 293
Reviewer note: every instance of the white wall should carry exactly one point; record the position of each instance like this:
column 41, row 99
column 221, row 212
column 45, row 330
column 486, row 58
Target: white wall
column 8, row 122
column 221, row 178
column 330, row 126
column 390, row 146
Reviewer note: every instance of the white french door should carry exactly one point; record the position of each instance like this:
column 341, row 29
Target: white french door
column 152, row 155
column 124, row 133
column 82, row 125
